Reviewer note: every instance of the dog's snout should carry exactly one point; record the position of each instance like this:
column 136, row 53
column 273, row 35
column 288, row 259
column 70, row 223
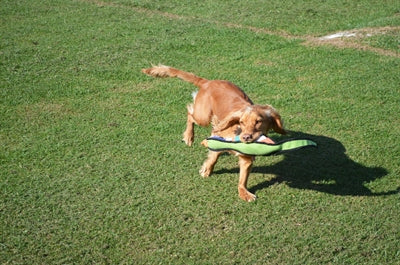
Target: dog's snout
column 247, row 137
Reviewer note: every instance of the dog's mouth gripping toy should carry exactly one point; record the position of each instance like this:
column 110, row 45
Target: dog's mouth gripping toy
column 264, row 146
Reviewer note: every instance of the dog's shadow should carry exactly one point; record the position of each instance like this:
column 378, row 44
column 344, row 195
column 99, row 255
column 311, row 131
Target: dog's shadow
column 326, row 168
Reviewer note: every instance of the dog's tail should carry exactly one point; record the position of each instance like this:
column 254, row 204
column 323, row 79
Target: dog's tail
column 166, row 71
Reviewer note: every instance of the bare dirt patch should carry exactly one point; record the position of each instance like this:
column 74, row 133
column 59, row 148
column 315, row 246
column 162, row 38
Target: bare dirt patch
column 353, row 39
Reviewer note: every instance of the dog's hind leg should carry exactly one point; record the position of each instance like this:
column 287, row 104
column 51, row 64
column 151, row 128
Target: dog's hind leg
column 188, row 135
column 198, row 113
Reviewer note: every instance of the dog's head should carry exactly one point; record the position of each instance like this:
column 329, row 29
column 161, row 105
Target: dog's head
column 251, row 122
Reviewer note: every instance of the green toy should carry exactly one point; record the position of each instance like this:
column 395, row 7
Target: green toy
column 219, row 144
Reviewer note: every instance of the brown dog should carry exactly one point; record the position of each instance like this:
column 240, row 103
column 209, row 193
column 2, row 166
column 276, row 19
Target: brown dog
column 231, row 113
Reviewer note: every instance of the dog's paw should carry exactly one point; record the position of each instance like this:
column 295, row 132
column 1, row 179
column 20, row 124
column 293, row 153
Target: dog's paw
column 187, row 142
column 205, row 171
column 188, row 139
column 204, row 143
column 246, row 195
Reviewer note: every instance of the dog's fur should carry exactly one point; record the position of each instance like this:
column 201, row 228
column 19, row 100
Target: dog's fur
column 231, row 113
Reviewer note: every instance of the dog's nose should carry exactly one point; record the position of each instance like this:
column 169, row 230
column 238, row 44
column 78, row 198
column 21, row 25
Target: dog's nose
column 247, row 137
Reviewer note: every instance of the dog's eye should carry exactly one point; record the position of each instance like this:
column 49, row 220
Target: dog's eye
column 258, row 121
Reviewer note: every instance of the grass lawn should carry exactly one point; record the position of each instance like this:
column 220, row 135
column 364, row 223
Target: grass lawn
column 92, row 167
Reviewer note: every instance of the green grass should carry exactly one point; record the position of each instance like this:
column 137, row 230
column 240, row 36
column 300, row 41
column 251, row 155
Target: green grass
column 92, row 168
column 390, row 40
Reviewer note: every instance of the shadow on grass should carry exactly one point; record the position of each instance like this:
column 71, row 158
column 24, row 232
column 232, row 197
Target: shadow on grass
column 326, row 169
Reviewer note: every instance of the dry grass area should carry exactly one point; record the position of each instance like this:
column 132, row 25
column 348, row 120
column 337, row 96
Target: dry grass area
column 354, row 39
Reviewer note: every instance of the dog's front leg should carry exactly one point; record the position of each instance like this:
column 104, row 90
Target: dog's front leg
column 245, row 163
column 208, row 165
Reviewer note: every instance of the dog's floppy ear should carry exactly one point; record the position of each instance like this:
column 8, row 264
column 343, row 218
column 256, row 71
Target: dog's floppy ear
column 277, row 124
column 230, row 120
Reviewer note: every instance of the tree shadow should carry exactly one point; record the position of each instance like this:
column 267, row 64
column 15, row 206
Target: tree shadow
column 326, row 169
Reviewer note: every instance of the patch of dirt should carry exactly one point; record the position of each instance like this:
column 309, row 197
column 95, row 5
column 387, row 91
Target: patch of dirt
column 352, row 39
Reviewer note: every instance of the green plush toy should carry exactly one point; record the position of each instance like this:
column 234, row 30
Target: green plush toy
column 258, row 148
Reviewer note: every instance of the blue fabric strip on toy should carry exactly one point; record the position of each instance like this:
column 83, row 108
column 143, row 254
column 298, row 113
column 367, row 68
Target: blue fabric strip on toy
column 219, row 144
